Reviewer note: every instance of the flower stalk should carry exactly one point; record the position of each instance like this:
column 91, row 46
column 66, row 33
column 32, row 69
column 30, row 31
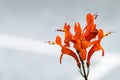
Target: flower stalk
column 83, row 70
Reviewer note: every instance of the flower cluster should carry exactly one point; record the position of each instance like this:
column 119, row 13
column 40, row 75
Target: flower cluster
column 82, row 39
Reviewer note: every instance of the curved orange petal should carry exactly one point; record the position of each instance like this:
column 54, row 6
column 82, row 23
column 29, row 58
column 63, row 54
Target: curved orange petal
column 90, row 18
column 96, row 46
column 90, row 29
column 92, row 35
column 77, row 29
column 91, row 32
column 92, row 50
column 58, row 40
column 68, row 35
column 90, row 53
column 100, row 34
column 66, row 27
column 78, row 32
column 71, row 53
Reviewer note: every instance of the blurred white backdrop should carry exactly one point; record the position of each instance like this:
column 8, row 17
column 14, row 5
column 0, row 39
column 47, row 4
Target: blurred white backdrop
column 25, row 25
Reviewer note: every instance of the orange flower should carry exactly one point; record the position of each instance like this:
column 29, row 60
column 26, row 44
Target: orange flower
column 96, row 46
column 66, row 51
column 90, row 18
column 78, row 31
column 82, row 40
column 58, row 41
column 68, row 35
column 82, row 51
column 81, row 44
column 90, row 29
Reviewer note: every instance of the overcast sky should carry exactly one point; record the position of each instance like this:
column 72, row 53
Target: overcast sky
column 25, row 25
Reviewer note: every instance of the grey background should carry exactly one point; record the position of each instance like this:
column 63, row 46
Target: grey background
column 37, row 20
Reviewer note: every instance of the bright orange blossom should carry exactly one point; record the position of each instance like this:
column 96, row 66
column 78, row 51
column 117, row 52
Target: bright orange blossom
column 89, row 37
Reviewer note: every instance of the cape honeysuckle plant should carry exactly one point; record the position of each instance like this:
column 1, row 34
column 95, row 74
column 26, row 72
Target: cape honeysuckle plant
column 85, row 41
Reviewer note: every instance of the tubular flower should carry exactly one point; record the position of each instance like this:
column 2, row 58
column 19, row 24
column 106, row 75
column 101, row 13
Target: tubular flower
column 67, row 51
column 96, row 46
column 78, row 31
column 82, row 39
column 90, row 29
column 90, row 18
column 68, row 35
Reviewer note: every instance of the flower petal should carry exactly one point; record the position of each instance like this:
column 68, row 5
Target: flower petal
column 90, row 18
column 90, row 53
column 90, row 29
column 96, row 46
column 58, row 40
column 81, row 48
column 68, row 35
column 83, row 53
column 71, row 53
column 77, row 29
column 100, row 34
